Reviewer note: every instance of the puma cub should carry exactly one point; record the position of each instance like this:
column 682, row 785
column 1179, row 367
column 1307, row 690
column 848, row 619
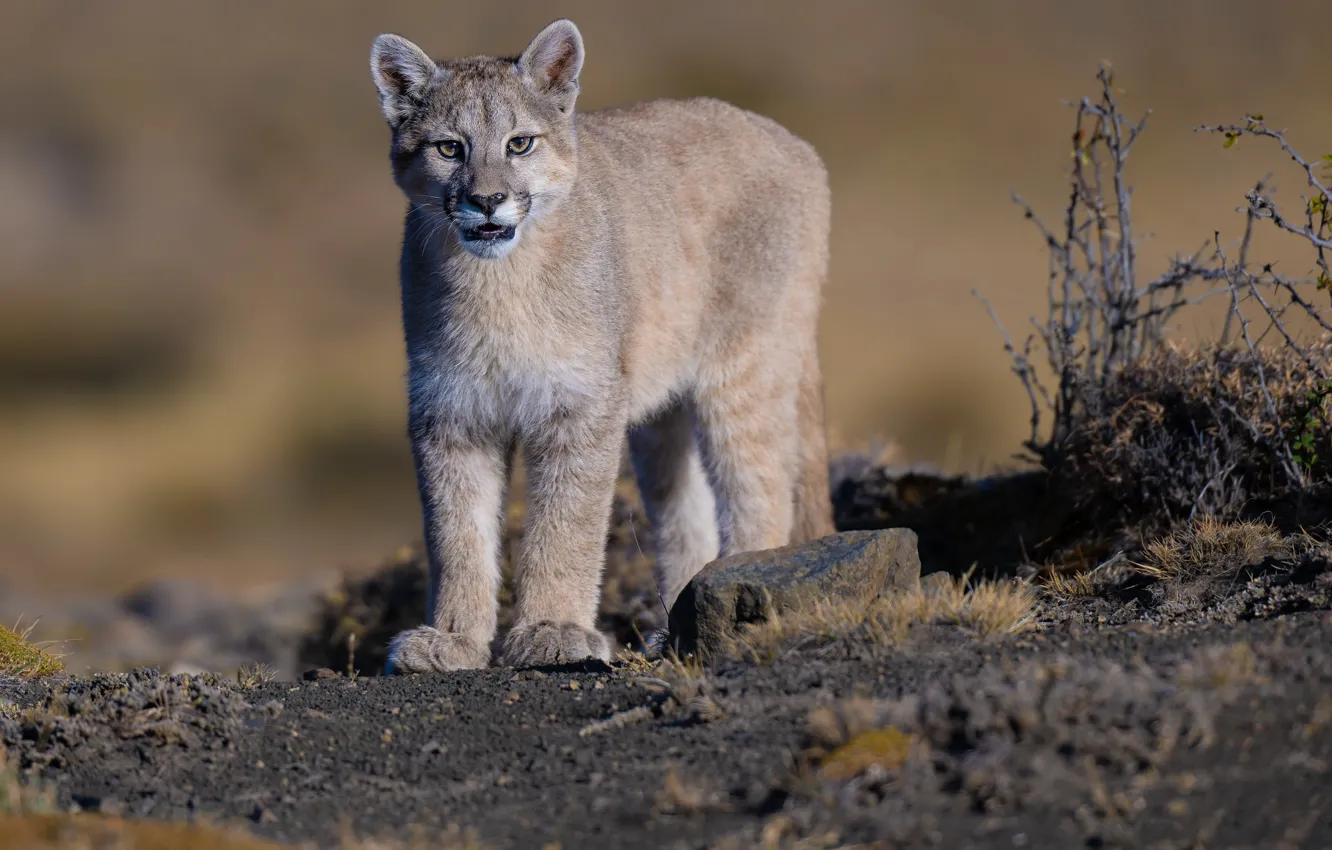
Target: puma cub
column 569, row 278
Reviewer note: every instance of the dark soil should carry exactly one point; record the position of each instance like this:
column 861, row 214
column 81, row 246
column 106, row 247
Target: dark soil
column 1074, row 736
column 1185, row 708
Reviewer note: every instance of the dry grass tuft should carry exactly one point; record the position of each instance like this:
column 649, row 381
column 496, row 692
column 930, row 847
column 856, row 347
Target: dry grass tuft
column 251, row 675
column 990, row 608
column 1077, row 585
column 822, row 621
column 1212, row 546
column 1220, row 667
column 635, row 663
column 829, row 727
column 985, row 608
column 19, row 657
column 885, row 749
column 673, row 669
column 679, row 796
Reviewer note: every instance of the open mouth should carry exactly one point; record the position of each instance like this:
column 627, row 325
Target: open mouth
column 488, row 232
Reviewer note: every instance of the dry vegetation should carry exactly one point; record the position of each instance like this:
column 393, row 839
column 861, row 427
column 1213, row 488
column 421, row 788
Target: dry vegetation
column 20, row 657
column 1219, row 548
column 983, row 609
column 1138, row 434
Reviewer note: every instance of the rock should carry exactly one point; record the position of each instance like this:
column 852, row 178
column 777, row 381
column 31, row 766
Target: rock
column 749, row 587
column 319, row 673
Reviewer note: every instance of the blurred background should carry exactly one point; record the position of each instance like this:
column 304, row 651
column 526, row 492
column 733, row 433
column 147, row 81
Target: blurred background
column 200, row 357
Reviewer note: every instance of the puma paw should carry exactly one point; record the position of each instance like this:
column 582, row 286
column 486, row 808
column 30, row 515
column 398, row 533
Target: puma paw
column 427, row 650
column 546, row 642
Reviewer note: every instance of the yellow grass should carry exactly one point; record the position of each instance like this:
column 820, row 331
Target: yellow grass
column 20, row 657
column 885, row 748
column 985, row 608
column 1071, row 585
column 1212, row 546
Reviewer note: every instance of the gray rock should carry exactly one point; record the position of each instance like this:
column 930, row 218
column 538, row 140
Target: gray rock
column 749, row 587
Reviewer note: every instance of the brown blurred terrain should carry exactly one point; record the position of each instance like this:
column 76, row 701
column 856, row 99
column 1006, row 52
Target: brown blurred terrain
column 200, row 361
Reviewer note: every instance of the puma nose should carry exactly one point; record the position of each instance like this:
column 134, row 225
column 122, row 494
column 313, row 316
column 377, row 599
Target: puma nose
column 488, row 203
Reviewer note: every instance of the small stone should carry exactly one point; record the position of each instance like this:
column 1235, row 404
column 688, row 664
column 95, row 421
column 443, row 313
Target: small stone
column 749, row 587
column 432, row 748
column 573, row 686
column 319, row 673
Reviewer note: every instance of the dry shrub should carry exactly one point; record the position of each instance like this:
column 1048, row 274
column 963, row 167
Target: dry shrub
column 1143, row 435
column 1185, row 433
column 984, row 608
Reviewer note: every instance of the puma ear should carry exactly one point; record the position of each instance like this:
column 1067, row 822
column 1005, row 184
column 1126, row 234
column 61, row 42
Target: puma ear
column 401, row 71
column 552, row 61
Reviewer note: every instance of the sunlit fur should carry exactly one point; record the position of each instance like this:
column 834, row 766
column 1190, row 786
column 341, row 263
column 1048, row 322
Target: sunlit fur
column 663, row 281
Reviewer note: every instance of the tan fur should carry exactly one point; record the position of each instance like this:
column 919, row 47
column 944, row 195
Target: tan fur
column 662, row 278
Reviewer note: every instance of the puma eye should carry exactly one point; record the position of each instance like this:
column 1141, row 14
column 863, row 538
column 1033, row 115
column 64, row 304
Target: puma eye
column 520, row 145
column 450, row 149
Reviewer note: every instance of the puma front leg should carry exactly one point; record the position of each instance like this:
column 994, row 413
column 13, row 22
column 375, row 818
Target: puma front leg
column 461, row 478
column 572, row 462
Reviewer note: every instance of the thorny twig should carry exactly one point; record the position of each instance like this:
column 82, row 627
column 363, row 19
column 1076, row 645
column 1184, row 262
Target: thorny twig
column 1100, row 320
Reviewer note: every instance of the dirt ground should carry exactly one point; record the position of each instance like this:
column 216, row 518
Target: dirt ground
column 1076, row 735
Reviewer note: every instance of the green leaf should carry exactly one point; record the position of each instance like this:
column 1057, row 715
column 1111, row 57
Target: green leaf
column 1324, row 282
column 1230, row 140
